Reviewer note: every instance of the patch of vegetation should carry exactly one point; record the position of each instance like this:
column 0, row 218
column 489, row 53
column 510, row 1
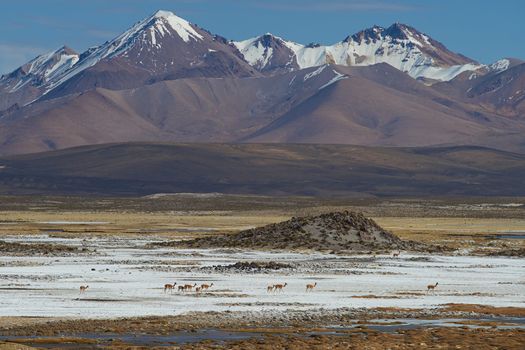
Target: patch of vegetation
column 37, row 248
column 254, row 266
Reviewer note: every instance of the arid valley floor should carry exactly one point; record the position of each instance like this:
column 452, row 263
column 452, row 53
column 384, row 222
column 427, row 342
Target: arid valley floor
column 124, row 250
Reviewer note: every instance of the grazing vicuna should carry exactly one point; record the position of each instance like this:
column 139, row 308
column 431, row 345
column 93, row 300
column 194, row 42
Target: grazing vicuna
column 206, row 286
column 198, row 290
column 396, row 254
column 432, row 287
column 169, row 287
column 279, row 287
column 181, row 288
column 189, row 287
column 310, row 287
column 269, row 289
column 83, row 289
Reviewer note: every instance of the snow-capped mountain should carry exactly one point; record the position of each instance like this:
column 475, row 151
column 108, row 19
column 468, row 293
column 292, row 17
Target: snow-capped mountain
column 399, row 45
column 499, row 86
column 160, row 47
column 143, row 34
column 41, row 69
column 26, row 82
column 165, row 79
column 268, row 53
column 164, row 46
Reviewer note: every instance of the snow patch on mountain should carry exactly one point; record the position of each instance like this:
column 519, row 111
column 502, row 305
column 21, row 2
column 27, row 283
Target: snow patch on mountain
column 307, row 56
column 52, row 64
column 338, row 76
column 314, row 73
column 442, row 73
column 412, row 38
column 500, row 65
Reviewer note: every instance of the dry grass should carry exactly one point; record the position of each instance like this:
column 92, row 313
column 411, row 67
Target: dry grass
column 454, row 223
column 311, row 334
column 360, row 338
column 486, row 310
column 433, row 338
column 456, row 233
column 129, row 223
column 57, row 340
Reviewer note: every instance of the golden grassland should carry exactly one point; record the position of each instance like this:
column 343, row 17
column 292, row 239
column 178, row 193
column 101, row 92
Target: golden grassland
column 453, row 232
column 457, row 232
column 128, row 223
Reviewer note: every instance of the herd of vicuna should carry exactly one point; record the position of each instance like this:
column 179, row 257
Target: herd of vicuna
column 190, row 287
column 272, row 288
column 187, row 287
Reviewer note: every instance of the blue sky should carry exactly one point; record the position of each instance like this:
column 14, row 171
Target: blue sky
column 482, row 30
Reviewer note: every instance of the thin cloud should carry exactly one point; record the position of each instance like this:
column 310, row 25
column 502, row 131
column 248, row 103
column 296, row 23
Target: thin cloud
column 335, row 6
column 51, row 22
column 102, row 34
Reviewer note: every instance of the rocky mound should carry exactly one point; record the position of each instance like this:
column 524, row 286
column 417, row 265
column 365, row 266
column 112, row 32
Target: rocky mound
column 337, row 231
column 253, row 266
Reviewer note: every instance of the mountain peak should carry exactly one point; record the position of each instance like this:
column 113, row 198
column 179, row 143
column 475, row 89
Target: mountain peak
column 48, row 65
column 268, row 52
column 66, row 50
column 268, row 39
column 403, row 31
column 163, row 14
column 159, row 20
column 396, row 31
column 40, row 70
column 370, row 34
column 399, row 26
